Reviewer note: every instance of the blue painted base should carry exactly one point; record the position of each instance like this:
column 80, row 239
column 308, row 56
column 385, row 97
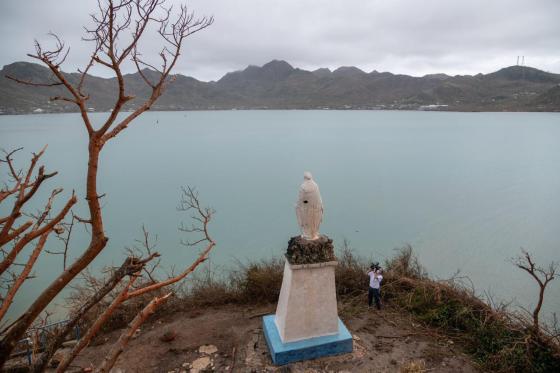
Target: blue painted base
column 312, row 348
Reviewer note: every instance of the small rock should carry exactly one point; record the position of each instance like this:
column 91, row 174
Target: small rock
column 168, row 336
column 208, row 349
column 450, row 342
column 200, row 364
column 185, row 365
column 355, row 337
column 136, row 333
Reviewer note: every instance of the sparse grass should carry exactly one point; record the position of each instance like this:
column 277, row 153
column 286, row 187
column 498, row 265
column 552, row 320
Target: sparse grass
column 499, row 340
column 416, row 366
column 259, row 282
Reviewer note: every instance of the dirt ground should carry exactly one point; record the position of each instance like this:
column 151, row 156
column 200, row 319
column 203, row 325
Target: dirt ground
column 231, row 339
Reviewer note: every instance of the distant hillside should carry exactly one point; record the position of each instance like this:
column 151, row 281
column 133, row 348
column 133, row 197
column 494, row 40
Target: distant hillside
column 278, row 85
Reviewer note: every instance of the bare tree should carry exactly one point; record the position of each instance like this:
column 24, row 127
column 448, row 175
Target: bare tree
column 36, row 229
column 133, row 267
column 203, row 216
column 114, row 21
column 542, row 276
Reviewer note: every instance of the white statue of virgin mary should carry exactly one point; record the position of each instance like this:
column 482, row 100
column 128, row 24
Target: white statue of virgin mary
column 309, row 208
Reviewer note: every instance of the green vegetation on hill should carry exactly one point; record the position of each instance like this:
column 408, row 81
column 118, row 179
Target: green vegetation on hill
column 278, row 85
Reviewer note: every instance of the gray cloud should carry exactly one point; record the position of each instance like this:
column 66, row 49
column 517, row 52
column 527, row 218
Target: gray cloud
column 412, row 37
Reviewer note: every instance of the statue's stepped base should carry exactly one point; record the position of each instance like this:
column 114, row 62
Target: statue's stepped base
column 311, row 348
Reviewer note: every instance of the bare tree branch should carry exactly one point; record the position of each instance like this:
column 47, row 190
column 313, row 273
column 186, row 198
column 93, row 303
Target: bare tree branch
column 9, row 298
column 9, row 259
column 130, row 266
column 122, row 342
column 542, row 276
column 34, row 84
column 92, row 331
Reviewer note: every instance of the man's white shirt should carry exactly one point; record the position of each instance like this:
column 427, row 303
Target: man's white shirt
column 375, row 280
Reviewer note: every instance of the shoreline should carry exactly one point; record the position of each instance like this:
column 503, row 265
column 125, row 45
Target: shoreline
column 292, row 109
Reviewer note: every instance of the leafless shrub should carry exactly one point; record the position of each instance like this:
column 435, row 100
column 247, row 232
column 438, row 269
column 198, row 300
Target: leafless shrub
column 542, row 277
column 405, row 263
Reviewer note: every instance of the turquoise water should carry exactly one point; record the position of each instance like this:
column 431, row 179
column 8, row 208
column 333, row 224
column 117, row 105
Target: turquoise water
column 466, row 190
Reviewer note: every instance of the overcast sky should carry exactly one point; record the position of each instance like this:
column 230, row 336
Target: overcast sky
column 412, row 37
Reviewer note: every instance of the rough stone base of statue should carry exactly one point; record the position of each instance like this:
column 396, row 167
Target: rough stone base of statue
column 306, row 324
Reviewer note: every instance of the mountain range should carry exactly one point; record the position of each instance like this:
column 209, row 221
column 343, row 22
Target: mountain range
column 278, row 85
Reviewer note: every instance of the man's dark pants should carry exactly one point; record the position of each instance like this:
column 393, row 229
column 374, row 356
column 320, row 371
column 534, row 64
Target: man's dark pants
column 374, row 294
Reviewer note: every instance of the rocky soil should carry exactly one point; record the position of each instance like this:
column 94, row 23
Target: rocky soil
column 230, row 339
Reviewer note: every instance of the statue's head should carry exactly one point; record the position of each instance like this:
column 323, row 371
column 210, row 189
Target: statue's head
column 307, row 176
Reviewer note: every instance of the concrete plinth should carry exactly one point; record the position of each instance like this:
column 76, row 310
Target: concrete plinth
column 310, row 348
column 306, row 324
column 307, row 303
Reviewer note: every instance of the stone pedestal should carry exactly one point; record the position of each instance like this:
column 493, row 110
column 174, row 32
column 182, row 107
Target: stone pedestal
column 306, row 323
column 307, row 303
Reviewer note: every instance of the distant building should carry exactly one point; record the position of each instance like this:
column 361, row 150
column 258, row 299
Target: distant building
column 431, row 107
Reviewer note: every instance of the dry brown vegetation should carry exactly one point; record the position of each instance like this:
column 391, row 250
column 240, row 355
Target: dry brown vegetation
column 417, row 366
column 501, row 340
column 498, row 339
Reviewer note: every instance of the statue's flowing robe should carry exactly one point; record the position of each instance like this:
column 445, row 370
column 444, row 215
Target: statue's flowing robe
column 309, row 209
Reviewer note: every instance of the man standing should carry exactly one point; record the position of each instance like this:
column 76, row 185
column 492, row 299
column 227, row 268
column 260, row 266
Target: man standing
column 375, row 278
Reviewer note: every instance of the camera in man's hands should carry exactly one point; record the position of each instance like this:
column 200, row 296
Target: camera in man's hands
column 375, row 266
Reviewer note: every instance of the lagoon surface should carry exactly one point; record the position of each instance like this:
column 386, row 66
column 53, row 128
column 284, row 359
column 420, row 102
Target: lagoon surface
column 466, row 190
